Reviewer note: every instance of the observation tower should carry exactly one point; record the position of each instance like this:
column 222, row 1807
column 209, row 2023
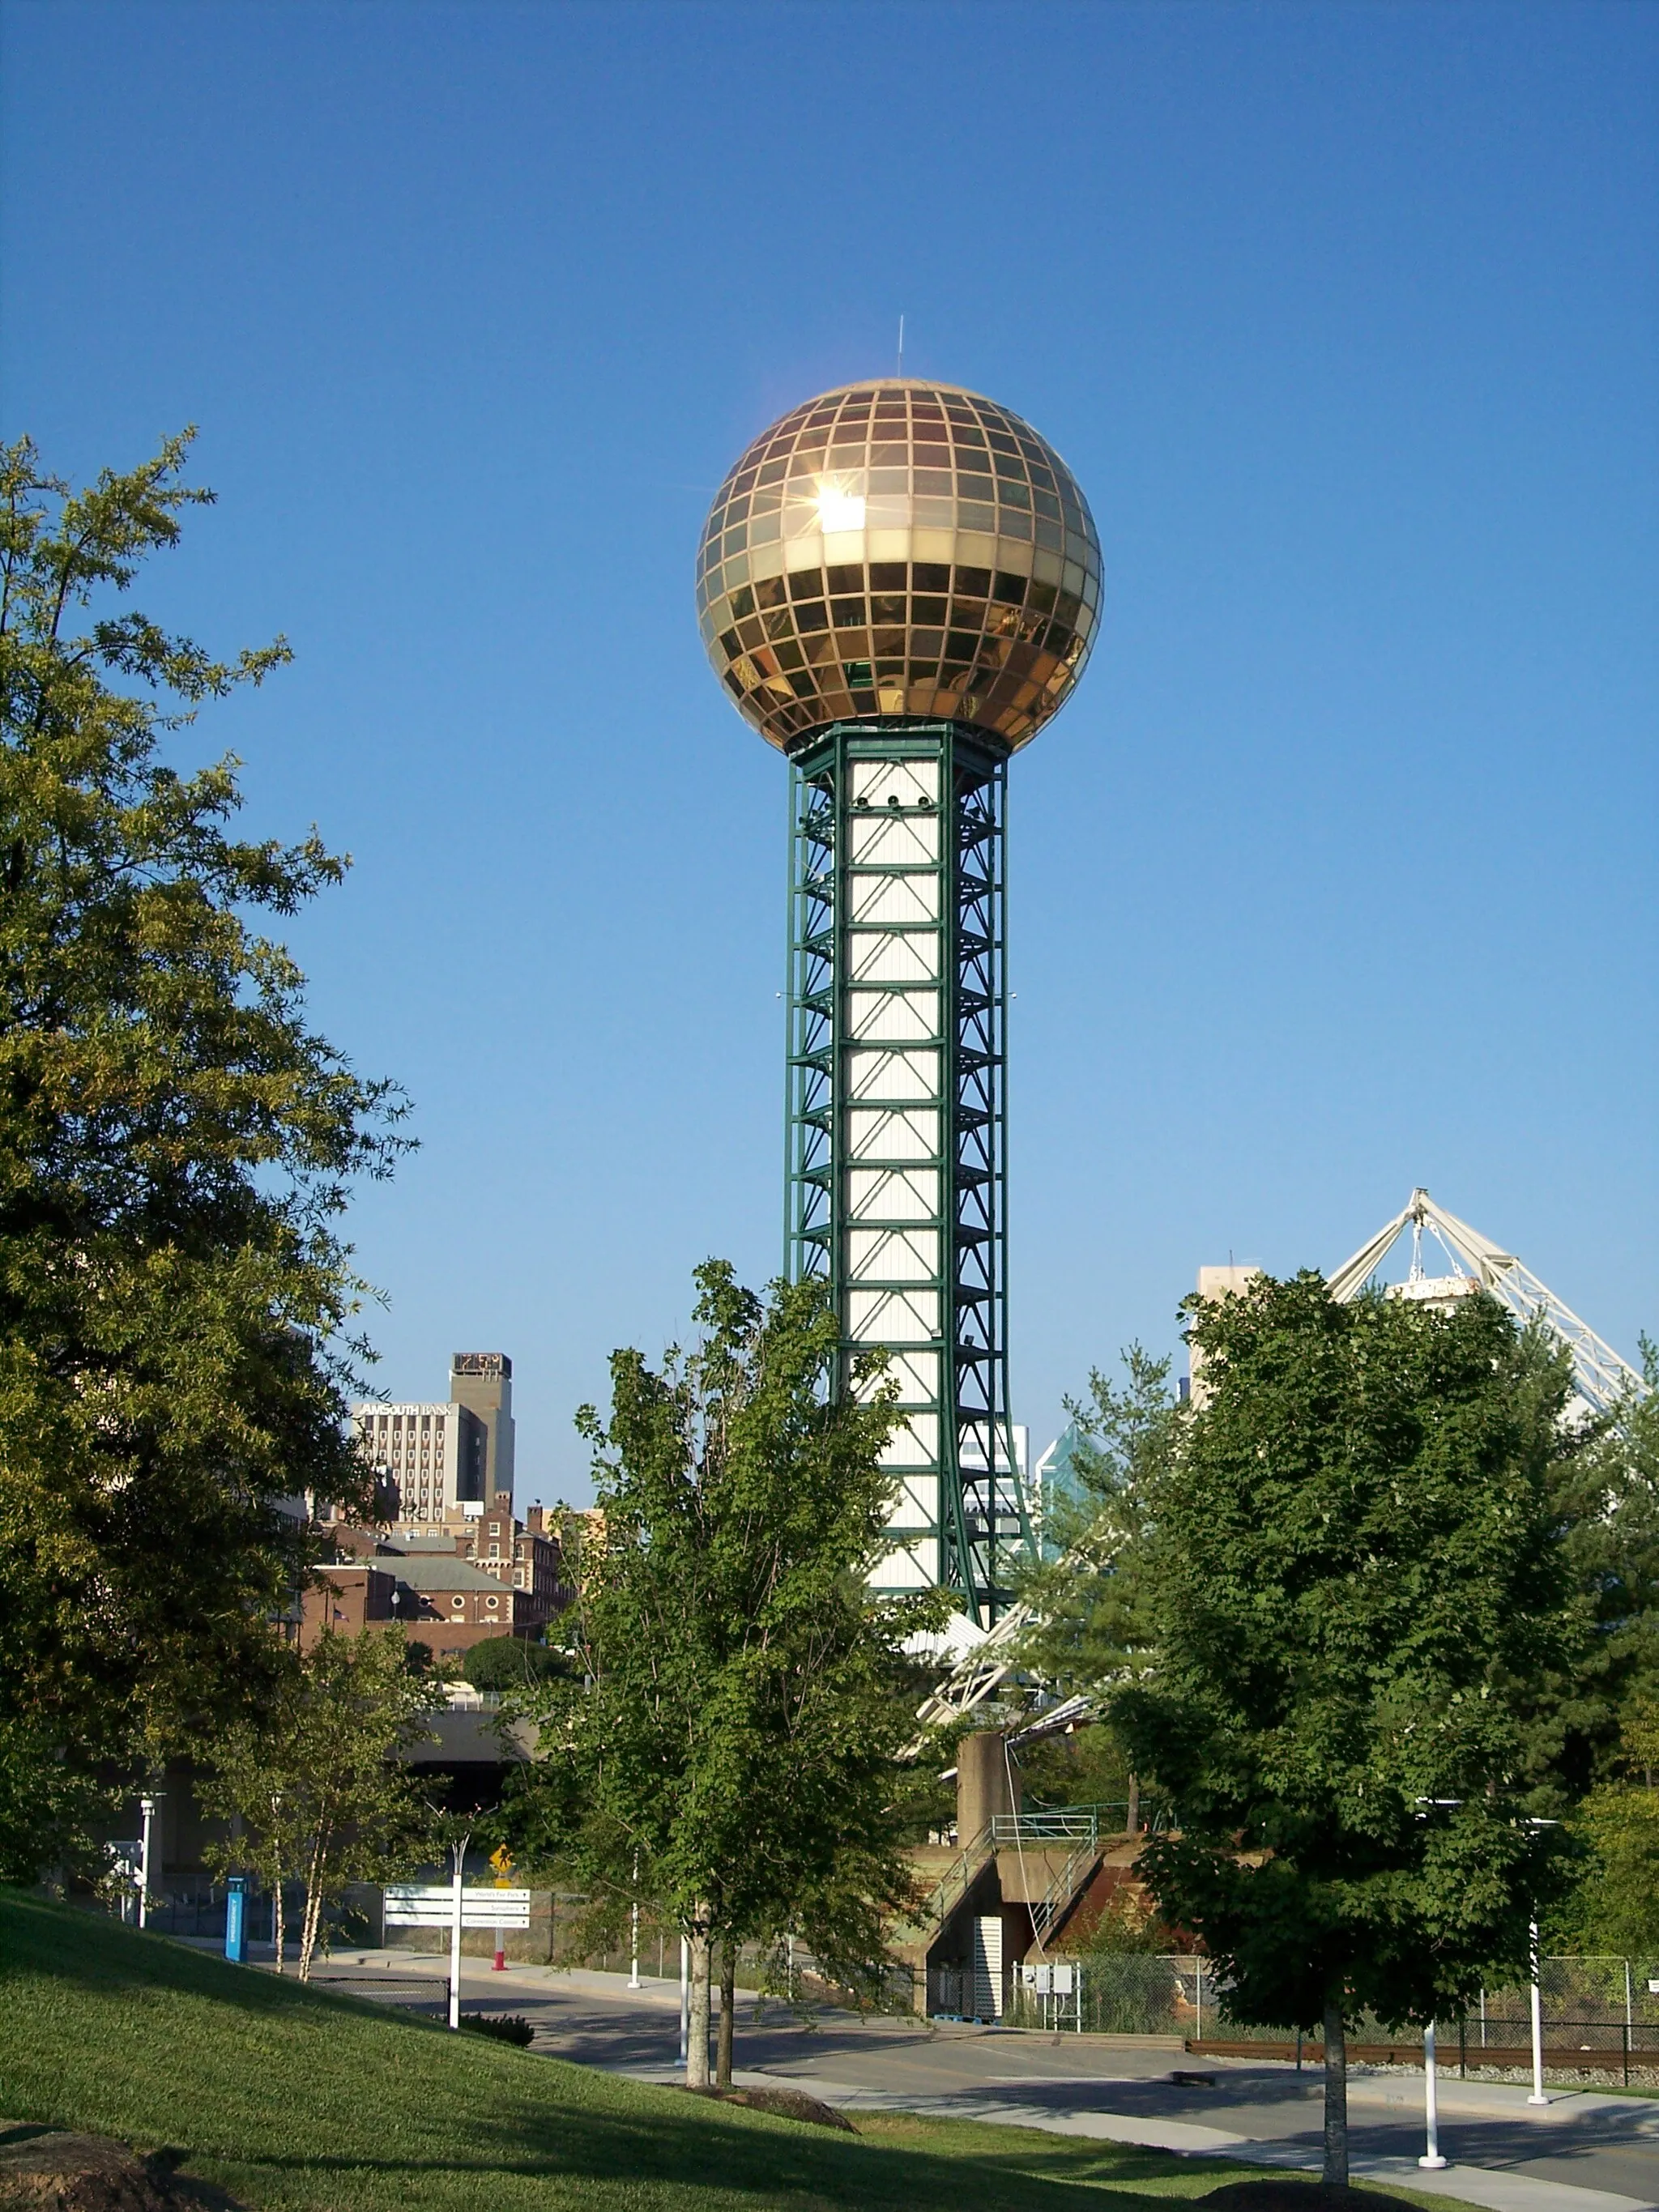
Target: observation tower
column 898, row 584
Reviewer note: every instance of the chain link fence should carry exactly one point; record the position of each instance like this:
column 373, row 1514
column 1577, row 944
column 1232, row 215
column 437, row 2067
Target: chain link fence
column 1598, row 2016
column 1115, row 1993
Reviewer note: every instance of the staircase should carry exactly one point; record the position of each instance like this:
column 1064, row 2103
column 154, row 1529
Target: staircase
column 958, row 1878
column 1056, row 1900
column 1075, row 1826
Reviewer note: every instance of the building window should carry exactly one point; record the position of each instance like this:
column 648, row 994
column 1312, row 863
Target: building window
column 492, row 1602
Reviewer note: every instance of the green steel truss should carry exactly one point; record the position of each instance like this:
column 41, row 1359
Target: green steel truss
column 895, row 1123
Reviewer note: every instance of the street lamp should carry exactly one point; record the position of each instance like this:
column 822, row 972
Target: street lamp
column 1536, row 1996
column 1431, row 2161
column 148, row 1807
column 457, row 1847
column 1535, row 2000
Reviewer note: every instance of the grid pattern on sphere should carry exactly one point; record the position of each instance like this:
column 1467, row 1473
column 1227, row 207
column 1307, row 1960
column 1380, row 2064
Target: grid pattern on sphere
column 898, row 549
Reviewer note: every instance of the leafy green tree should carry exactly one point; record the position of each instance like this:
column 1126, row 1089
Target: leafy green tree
column 175, row 1146
column 1609, row 1496
column 1614, row 1909
column 1365, row 1612
column 1090, row 1600
column 316, row 1784
column 1094, row 1627
column 731, row 1760
column 509, row 1662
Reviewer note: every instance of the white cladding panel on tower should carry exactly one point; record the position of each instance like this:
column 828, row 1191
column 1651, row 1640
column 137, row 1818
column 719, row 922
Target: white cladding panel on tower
column 874, row 1073
column 883, row 1017
column 892, row 1316
column 903, row 958
column 892, row 1255
column 912, row 782
column 894, row 840
column 915, row 1567
column 893, row 1194
column 908, row 902
column 882, row 1133
column 916, row 1374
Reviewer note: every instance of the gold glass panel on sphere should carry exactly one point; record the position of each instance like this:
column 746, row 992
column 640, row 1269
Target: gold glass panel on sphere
column 899, row 548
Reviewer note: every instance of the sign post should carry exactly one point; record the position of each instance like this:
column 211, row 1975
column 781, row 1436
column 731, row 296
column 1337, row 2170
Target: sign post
column 451, row 1905
column 235, row 1911
column 501, row 1859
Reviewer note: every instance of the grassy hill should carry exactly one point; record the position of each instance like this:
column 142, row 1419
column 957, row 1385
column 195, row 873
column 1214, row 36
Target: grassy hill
column 291, row 2097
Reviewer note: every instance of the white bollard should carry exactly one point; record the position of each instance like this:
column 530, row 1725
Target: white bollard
column 1431, row 2158
column 686, row 1999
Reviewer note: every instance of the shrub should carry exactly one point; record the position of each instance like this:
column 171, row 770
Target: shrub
column 505, row 2026
column 509, row 1662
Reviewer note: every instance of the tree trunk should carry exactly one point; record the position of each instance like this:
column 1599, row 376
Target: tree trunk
column 1336, row 2097
column 1131, row 1822
column 696, row 2041
column 728, row 2014
column 279, row 1926
column 314, row 1906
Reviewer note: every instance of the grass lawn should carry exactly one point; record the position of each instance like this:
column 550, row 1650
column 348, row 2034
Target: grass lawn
column 299, row 2101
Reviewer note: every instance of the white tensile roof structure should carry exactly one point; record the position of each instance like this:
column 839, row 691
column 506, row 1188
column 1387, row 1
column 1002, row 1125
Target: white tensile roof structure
column 1603, row 1378
column 983, row 1662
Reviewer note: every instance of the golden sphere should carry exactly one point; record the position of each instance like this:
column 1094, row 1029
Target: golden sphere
column 899, row 548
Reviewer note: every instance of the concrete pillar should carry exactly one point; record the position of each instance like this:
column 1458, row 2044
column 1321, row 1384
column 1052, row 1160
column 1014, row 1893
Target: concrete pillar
column 982, row 1783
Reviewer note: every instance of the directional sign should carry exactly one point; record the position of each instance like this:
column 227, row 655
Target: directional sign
column 412, row 1905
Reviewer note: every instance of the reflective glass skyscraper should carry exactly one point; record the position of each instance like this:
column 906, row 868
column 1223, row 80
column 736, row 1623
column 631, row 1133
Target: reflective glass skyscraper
column 898, row 584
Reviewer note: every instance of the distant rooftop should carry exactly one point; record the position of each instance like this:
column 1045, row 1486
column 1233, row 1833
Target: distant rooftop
column 442, row 1572
column 445, row 1572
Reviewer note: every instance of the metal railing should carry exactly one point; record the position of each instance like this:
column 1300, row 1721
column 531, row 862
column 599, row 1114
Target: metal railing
column 1057, row 1900
column 959, row 1878
column 1066, row 1824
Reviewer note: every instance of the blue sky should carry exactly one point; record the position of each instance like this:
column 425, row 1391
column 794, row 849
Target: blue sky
column 1336, row 876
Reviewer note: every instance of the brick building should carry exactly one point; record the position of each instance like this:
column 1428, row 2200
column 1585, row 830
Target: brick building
column 442, row 1600
column 522, row 1557
column 445, row 1478
column 348, row 1600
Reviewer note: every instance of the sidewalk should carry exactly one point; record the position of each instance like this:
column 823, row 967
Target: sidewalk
column 1400, row 2095
column 1468, row 2184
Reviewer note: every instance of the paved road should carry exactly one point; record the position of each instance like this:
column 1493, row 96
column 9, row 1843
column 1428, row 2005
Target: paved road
column 1583, row 2153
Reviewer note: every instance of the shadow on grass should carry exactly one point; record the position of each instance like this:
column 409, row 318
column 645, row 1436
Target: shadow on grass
column 293, row 2096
